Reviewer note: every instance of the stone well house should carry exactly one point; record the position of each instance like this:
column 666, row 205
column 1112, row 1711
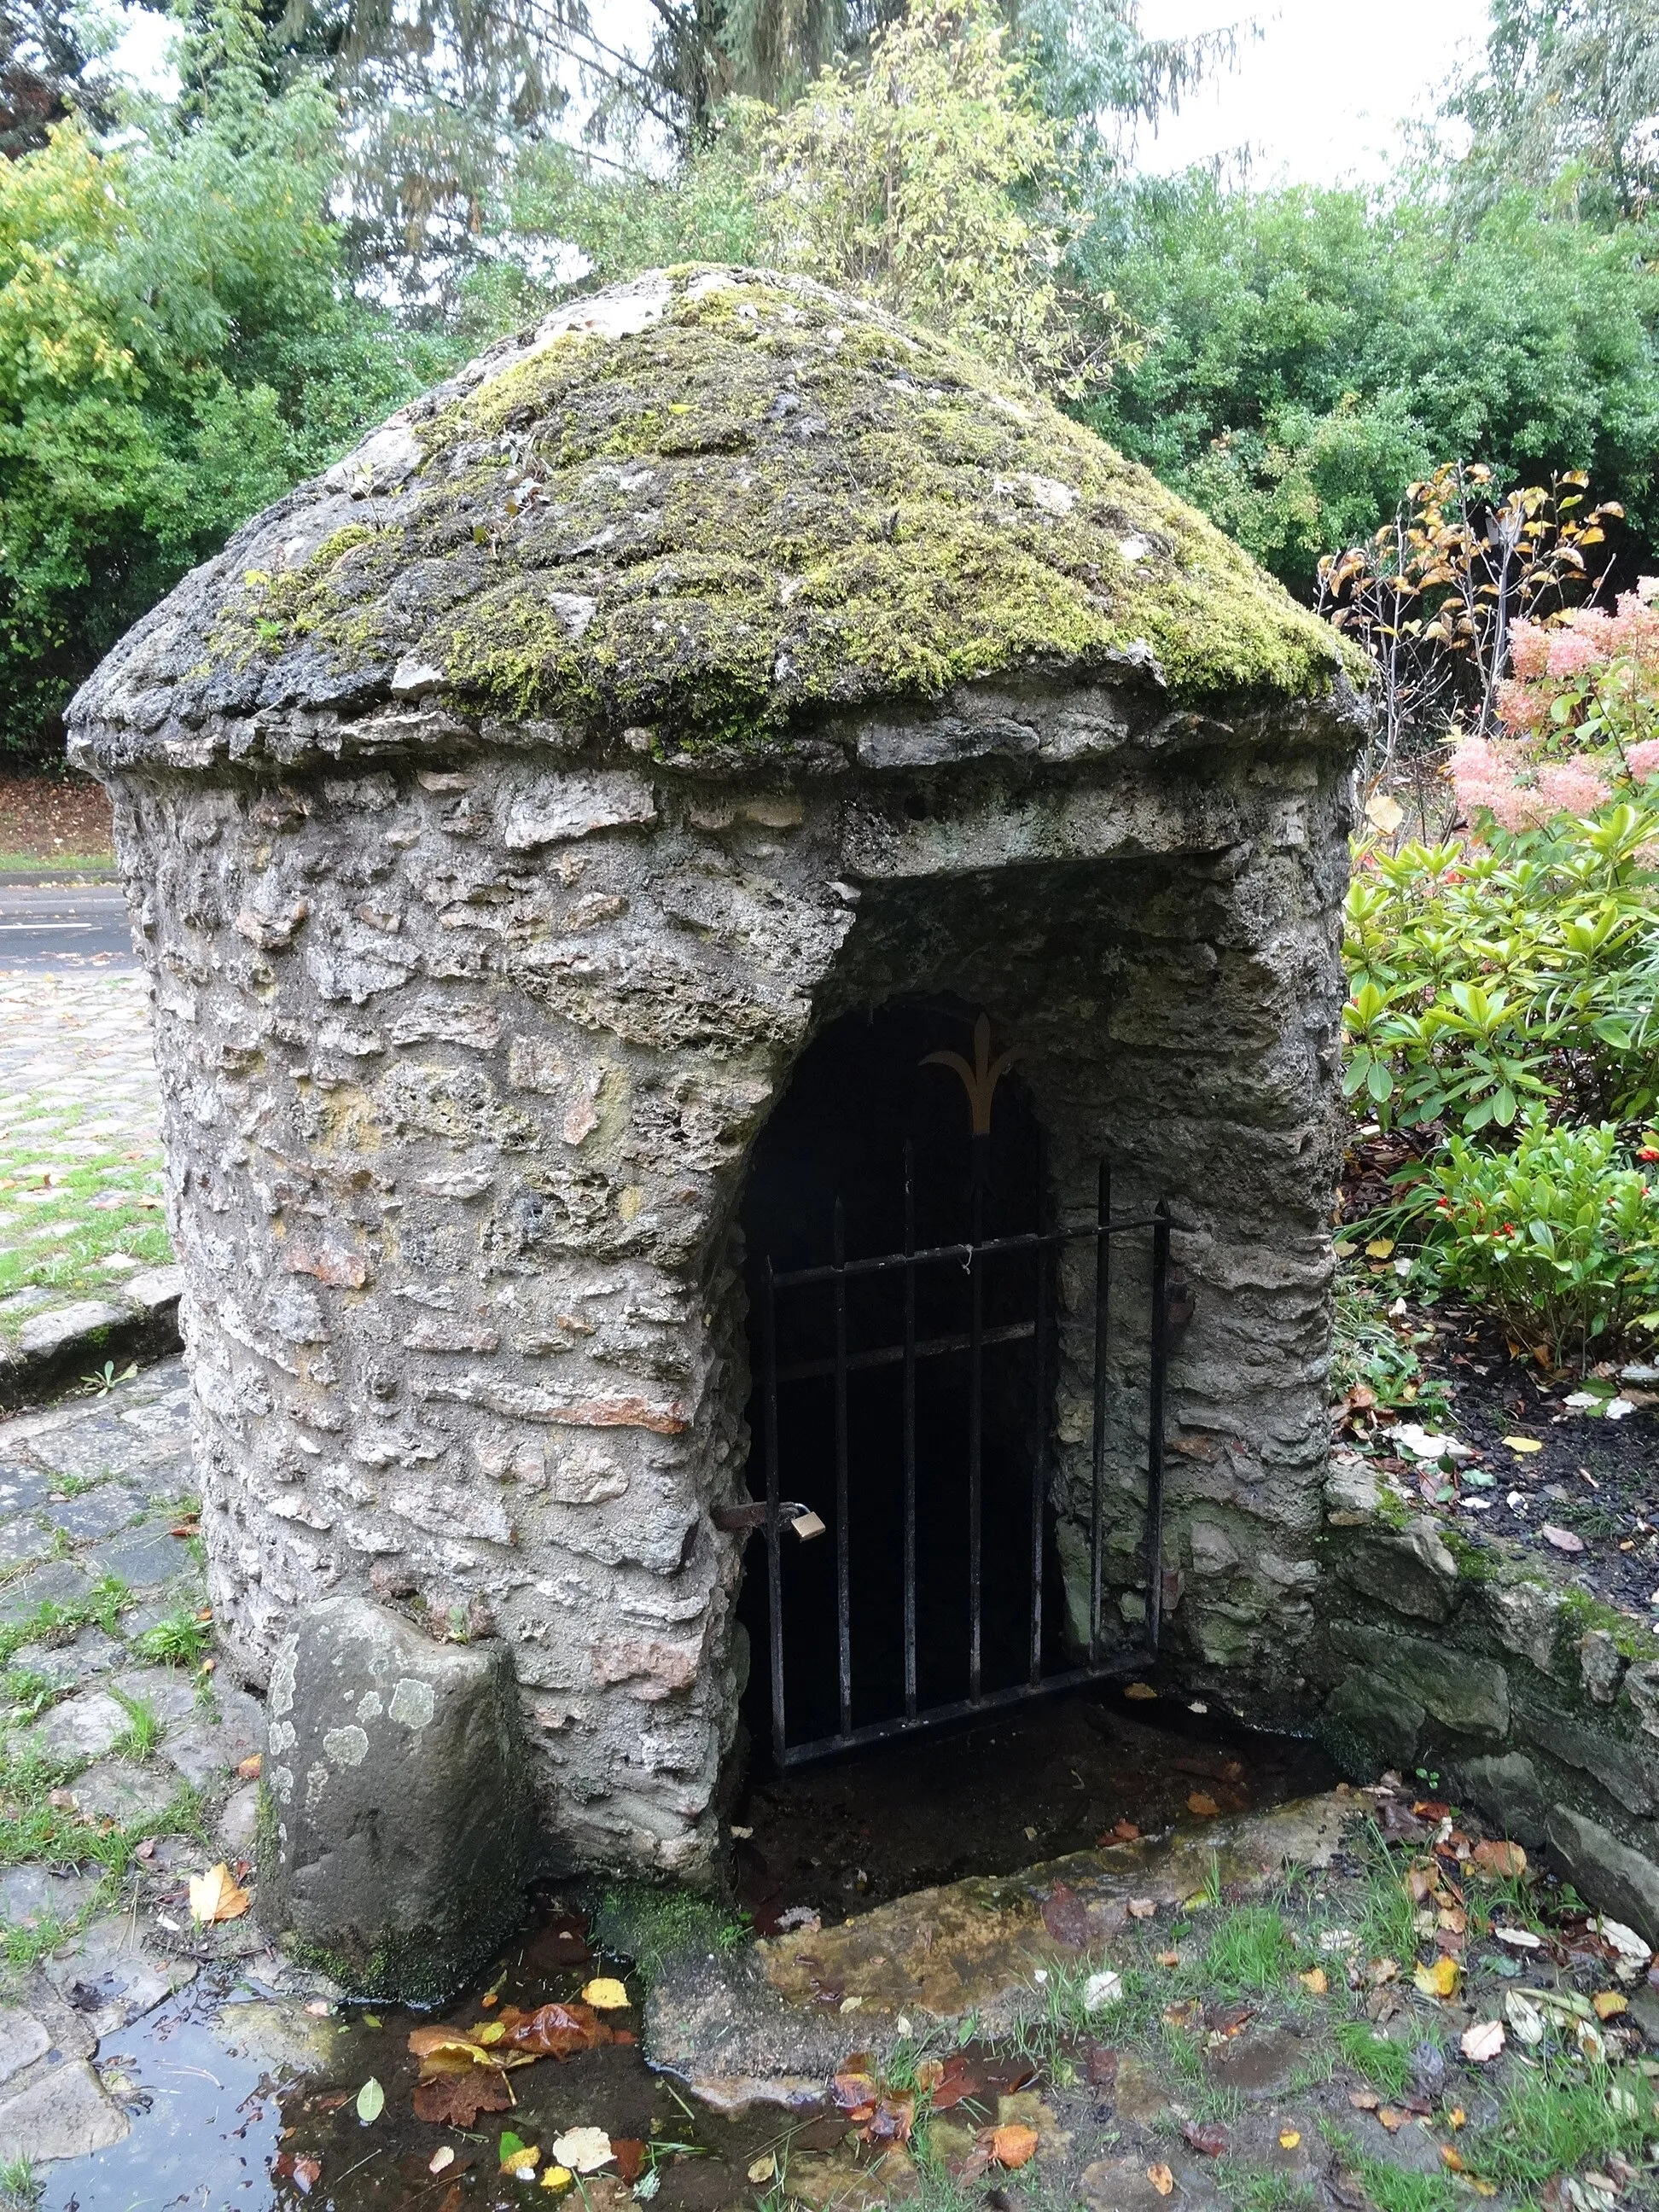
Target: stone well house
column 510, row 815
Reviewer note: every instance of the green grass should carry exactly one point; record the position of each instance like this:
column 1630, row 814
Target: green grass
column 1557, row 2118
column 1258, row 2189
column 1250, row 1951
column 52, row 1623
column 21, row 2187
column 52, row 1236
column 180, row 1640
column 138, row 1741
column 1386, row 2066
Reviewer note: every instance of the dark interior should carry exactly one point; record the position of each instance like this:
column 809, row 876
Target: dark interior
column 861, row 1094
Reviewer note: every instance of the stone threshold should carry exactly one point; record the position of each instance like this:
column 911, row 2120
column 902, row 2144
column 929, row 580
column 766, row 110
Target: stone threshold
column 771, row 2024
column 138, row 1319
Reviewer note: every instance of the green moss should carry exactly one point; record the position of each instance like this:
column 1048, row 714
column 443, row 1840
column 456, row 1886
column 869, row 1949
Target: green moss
column 1582, row 1613
column 766, row 505
column 655, row 1922
column 1475, row 1564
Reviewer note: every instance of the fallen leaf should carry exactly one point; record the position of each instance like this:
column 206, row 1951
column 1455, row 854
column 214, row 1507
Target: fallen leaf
column 1518, row 1939
column 1102, row 1990
column 441, row 2160
column 1227, row 2020
column 1502, row 1861
column 1483, row 2041
column 1384, row 813
column 1392, row 2121
column 1439, row 1980
column 320, row 2009
column 1380, row 1248
column 1363, row 2101
column 1523, row 1444
column 1066, row 1916
column 763, row 2169
column 1161, row 2178
column 628, row 2151
column 1456, row 2118
column 307, row 2173
column 1208, row 2139
column 1563, row 1539
column 1524, row 2017
column 518, row 2157
column 249, row 1768
column 555, row 2031
column 1382, row 1970
column 606, row 1994
column 214, row 1896
column 1315, row 1979
column 1141, row 1908
column 455, row 2100
column 1169, row 1958
column 1608, row 2003
column 553, row 2177
column 892, row 2120
column 1138, row 1690
column 371, row 2102
column 1126, row 1832
column 146, row 1849
column 1289, row 2138
column 1100, row 2067
column 584, row 2150
column 1453, row 2158
column 958, row 2082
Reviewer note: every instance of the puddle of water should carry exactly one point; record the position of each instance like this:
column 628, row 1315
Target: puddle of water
column 233, row 2096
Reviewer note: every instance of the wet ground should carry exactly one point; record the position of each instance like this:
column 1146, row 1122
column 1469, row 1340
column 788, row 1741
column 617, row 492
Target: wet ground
column 1059, row 1777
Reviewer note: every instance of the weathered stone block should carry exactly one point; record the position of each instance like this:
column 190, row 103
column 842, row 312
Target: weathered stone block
column 1506, row 1789
column 1621, row 1880
column 1408, row 1570
column 1593, row 1750
column 1469, row 1694
column 1525, row 1618
column 1367, row 1725
column 394, row 1852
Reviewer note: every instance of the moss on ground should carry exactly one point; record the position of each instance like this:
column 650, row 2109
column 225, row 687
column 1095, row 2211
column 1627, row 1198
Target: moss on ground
column 771, row 502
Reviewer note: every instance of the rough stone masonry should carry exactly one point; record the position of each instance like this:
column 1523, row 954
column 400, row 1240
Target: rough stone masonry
column 503, row 812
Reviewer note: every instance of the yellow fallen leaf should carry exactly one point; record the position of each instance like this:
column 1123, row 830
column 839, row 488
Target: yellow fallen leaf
column 1453, row 2158
column 1289, row 2138
column 1439, row 1980
column 1161, row 2178
column 214, row 1896
column 762, row 2169
column 1608, row 2002
column 1392, row 2121
column 606, row 1994
column 1139, row 1690
column 1380, row 1248
column 558, row 2176
column 1523, row 1443
column 1315, row 1979
column 1384, row 813
column 1456, row 2118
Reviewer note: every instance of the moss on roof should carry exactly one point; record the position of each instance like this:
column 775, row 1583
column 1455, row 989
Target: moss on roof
column 764, row 501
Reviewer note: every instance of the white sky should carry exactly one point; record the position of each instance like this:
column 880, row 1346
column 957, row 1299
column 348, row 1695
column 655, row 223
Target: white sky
column 1320, row 98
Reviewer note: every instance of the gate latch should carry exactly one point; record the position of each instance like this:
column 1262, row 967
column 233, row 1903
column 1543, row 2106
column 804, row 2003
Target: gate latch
column 743, row 1519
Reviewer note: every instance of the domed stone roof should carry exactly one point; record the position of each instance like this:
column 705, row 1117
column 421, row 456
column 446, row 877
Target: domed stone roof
column 707, row 506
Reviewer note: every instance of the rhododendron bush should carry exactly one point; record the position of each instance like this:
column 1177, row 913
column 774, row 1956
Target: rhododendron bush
column 1487, row 975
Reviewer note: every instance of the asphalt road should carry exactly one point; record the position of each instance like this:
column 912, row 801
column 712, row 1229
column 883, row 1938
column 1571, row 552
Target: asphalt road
column 60, row 927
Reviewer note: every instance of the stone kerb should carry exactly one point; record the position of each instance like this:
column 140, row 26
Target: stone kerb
column 1527, row 1697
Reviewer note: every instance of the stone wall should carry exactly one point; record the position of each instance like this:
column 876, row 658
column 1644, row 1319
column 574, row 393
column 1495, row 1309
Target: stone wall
column 463, row 1046
column 1525, row 1698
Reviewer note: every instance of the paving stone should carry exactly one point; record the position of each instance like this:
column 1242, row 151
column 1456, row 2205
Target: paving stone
column 100, row 1513
column 169, row 1692
column 143, row 1558
column 65, row 2114
column 33, row 1893
column 239, row 1824
column 21, row 1486
column 61, row 1581
column 204, row 1747
column 22, row 1542
column 23, row 2039
column 90, row 1652
column 284, row 2038
column 115, row 1790
column 49, row 1332
column 1126, row 2185
column 108, row 1975
column 83, row 1727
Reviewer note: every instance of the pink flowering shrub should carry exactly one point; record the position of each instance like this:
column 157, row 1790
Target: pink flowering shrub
column 1578, row 717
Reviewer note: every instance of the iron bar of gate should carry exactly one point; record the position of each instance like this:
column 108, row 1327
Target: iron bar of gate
column 1040, row 1427
column 910, row 1436
column 843, row 1535
column 892, row 1355
column 774, row 1563
column 1158, row 1369
column 1098, row 1447
column 973, row 1254
column 976, row 1469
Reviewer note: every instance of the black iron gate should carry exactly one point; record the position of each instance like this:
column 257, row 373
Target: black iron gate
column 979, row 1260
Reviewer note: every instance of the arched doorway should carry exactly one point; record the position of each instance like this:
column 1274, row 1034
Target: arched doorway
column 900, row 1265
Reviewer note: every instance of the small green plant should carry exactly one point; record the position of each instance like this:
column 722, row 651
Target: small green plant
column 21, row 2187
column 1560, row 1235
column 139, row 1740
column 180, row 1640
column 100, row 1384
column 1370, row 1347
column 1251, row 1949
column 1386, row 2066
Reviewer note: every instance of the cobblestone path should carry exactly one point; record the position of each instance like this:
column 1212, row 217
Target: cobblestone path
column 80, row 1210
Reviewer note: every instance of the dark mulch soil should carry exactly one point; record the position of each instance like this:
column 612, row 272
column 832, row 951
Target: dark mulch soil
column 47, row 816
column 1593, row 1479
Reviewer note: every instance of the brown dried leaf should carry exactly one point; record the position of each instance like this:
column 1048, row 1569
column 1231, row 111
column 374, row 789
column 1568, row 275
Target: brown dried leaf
column 1392, row 2121
column 629, row 2152
column 555, row 2031
column 1203, row 1805
column 1014, row 2145
column 455, row 2100
column 1100, row 2066
column 1210, row 2141
column 215, row 1896
column 1363, row 2101
column 1499, row 1861
column 1161, row 2178
column 1066, row 1916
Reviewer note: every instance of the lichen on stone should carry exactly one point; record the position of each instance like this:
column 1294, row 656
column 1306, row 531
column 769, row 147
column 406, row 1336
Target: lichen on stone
column 761, row 502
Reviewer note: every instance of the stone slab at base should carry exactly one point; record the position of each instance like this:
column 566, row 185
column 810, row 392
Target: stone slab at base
column 137, row 1319
column 755, row 2028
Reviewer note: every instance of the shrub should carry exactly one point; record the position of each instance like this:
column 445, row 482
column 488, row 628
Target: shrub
column 1486, row 975
column 1561, row 1235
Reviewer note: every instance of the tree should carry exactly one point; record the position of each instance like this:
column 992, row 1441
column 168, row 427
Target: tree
column 1568, row 94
